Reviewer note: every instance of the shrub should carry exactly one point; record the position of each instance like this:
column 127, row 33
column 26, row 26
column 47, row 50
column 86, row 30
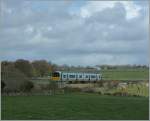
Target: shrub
column 100, row 84
column 107, row 93
column 2, row 85
column 100, row 93
column 13, row 79
column 89, row 90
column 44, row 87
column 121, row 94
column 53, row 85
column 26, row 86
column 71, row 89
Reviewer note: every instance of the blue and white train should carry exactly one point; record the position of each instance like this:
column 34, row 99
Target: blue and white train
column 76, row 76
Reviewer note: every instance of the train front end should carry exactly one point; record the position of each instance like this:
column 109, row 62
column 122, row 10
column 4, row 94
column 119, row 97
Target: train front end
column 56, row 76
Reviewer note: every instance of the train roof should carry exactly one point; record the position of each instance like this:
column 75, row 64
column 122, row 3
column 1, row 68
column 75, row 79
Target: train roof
column 90, row 72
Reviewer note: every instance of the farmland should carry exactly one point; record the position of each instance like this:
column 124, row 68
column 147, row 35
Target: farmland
column 125, row 74
column 74, row 106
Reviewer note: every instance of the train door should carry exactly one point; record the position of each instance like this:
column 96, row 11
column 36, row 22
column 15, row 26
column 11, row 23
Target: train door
column 64, row 76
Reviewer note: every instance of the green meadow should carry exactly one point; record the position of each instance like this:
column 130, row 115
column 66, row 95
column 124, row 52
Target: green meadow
column 125, row 74
column 74, row 106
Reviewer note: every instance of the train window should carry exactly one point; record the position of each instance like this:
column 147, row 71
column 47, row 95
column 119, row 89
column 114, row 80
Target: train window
column 55, row 74
column 87, row 76
column 92, row 76
column 80, row 76
column 72, row 76
column 64, row 76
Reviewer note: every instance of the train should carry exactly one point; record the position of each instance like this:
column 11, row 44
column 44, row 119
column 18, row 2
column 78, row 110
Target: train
column 76, row 76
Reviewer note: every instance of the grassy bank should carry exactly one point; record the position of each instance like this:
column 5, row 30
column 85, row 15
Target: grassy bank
column 74, row 106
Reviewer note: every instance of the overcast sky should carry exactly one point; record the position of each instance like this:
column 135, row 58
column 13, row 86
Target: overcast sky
column 75, row 32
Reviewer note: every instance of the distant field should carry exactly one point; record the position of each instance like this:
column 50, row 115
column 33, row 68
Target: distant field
column 74, row 106
column 126, row 74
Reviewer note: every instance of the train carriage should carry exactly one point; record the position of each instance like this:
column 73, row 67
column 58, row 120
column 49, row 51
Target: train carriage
column 86, row 77
column 72, row 77
column 64, row 76
column 80, row 76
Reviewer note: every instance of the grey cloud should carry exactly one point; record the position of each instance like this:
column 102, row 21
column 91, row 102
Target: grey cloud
column 104, row 38
column 109, row 16
column 123, row 29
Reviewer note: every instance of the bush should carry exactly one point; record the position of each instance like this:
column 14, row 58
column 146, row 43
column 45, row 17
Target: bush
column 107, row 93
column 53, row 85
column 13, row 79
column 89, row 90
column 100, row 93
column 2, row 85
column 71, row 89
column 100, row 84
column 26, row 86
column 44, row 87
column 121, row 94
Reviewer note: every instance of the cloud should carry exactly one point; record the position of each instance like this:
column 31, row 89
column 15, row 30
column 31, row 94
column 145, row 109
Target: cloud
column 93, row 33
column 132, row 10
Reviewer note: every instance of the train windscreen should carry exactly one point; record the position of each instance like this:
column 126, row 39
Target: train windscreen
column 55, row 74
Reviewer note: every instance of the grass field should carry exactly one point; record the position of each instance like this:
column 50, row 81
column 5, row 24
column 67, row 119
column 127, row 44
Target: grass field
column 126, row 74
column 74, row 106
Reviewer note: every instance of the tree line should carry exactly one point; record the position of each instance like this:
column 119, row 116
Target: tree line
column 42, row 68
column 128, row 66
column 37, row 68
